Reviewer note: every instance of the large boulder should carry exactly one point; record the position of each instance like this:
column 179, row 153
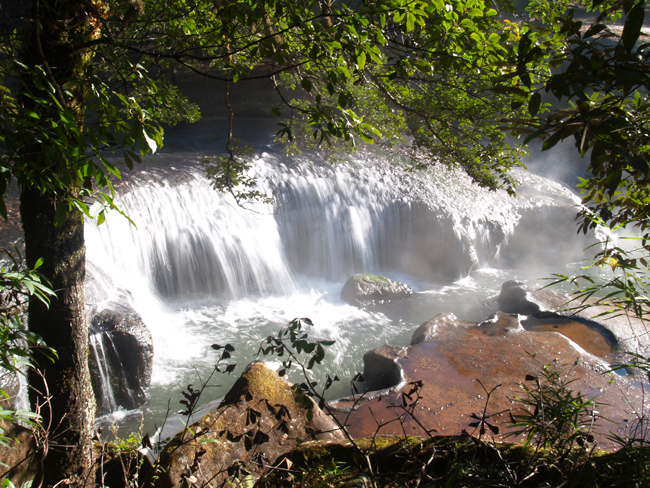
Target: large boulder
column 362, row 289
column 260, row 419
column 120, row 359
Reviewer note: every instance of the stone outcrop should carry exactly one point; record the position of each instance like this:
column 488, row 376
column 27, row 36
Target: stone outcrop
column 462, row 359
column 363, row 289
column 121, row 344
column 260, row 419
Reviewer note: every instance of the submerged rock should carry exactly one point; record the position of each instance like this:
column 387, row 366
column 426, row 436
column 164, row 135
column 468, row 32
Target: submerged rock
column 362, row 289
column 260, row 419
column 120, row 359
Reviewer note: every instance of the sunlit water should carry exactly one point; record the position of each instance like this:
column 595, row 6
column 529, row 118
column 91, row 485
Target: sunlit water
column 202, row 270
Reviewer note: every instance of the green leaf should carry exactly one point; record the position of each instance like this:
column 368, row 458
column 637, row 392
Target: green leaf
column 410, row 22
column 534, row 103
column 366, row 138
column 361, row 60
column 552, row 141
column 632, row 27
column 306, row 85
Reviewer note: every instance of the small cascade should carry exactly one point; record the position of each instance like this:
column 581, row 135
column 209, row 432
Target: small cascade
column 190, row 241
column 101, row 374
column 120, row 357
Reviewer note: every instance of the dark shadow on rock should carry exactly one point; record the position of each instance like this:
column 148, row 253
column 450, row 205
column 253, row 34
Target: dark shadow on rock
column 120, row 359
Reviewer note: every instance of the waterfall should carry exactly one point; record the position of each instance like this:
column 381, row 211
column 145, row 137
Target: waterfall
column 367, row 215
column 197, row 266
column 103, row 390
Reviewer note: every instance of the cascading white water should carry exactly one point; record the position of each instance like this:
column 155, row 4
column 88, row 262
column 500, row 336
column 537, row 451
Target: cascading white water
column 201, row 269
column 106, row 395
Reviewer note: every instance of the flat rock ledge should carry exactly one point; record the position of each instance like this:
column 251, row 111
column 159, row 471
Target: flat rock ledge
column 442, row 375
column 259, row 420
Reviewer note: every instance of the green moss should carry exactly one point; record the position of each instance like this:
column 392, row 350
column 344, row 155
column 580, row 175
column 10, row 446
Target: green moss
column 265, row 383
column 380, row 280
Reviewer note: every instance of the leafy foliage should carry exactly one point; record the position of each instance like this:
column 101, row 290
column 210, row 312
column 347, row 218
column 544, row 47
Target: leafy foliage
column 601, row 79
column 553, row 415
column 18, row 345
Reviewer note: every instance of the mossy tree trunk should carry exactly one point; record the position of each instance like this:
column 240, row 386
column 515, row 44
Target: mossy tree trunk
column 70, row 411
column 63, row 394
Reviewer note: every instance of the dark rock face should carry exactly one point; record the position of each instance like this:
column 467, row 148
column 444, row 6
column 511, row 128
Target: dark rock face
column 363, row 289
column 380, row 367
column 121, row 357
column 259, row 420
column 515, row 298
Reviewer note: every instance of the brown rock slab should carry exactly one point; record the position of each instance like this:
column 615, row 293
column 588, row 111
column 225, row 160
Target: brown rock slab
column 624, row 332
column 453, row 368
column 258, row 420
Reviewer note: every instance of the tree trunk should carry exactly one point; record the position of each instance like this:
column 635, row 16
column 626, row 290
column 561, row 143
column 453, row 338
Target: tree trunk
column 63, row 394
column 66, row 401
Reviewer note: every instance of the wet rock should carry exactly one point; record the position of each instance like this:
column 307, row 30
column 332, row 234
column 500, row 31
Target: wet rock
column 361, row 289
column 497, row 353
column 428, row 330
column 592, row 337
column 516, row 298
column 499, row 324
column 121, row 357
column 259, row 419
column 587, row 323
column 628, row 333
